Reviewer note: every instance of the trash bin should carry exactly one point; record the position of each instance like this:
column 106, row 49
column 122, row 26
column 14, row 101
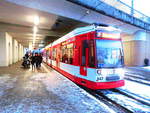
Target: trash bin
column 146, row 61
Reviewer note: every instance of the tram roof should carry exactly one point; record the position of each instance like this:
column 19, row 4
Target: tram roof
column 82, row 30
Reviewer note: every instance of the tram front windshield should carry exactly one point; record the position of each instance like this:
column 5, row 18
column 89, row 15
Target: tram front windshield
column 109, row 54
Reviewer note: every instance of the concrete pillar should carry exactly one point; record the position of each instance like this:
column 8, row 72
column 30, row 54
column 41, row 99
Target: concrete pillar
column 22, row 51
column 3, row 56
column 147, row 54
column 19, row 52
column 135, row 48
column 15, row 51
column 9, row 48
column 127, row 49
column 132, row 7
column 30, row 46
column 6, row 57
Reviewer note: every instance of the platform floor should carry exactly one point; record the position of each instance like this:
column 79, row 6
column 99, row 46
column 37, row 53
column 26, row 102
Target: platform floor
column 43, row 91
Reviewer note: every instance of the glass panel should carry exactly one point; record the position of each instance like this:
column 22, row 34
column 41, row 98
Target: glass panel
column 84, row 46
column 109, row 53
column 91, row 54
column 67, row 53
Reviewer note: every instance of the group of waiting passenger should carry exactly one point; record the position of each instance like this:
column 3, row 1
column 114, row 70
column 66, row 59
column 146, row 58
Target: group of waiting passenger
column 35, row 59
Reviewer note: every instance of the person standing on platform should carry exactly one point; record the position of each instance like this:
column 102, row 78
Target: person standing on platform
column 36, row 60
column 40, row 59
column 33, row 61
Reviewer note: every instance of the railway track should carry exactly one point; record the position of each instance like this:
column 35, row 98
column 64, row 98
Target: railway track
column 127, row 101
column 133, row 96
column 137, row 78
column 110, row 103
column 119, row 105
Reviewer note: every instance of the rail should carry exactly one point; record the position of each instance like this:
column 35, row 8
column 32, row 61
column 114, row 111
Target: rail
column 118, row 4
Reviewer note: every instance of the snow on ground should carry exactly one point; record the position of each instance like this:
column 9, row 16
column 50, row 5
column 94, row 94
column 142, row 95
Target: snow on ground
column 134, row 75
column 128, row 103
column 141, row 90
column 138, row 80
column 6, row 82
column 50, row 92
column 146, row 67
column 71, row 94
column 135, row 89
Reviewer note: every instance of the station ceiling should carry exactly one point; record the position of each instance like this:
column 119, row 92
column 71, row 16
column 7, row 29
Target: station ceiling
column 17, row 20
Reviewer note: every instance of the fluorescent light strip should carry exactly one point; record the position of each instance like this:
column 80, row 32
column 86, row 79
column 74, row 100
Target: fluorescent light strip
column 36, row 20
column 35, row 28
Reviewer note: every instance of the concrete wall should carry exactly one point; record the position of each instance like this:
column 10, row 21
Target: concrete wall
column 134, row 53
column 15, row 51
column 6, row 57
column 20, row 52
column 3, row 52
column 10, row 50
column 147, row 54
column 136, row 48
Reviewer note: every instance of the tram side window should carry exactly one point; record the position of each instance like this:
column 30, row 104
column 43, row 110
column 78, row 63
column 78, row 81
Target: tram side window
column 70, row 53
column 50, row 54
column 91, row 54
column 67, row 54
column 47, row 54
column 60, row 53
column 64, row 54
column 54, row 54
column 84, row 46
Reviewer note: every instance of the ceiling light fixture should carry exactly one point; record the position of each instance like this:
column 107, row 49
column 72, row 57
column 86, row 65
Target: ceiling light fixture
column 35, row 29
column 36, row 20
column 34, row 37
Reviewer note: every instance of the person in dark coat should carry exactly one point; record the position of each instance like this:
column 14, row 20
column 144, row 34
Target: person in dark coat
column 26, row 56
column 36, row 60
column 40, row 59
column 33, row 61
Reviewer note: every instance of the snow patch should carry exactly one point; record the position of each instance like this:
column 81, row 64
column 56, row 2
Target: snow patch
column 70, row 93
column 137, row 88
column 128, row 103
column 6, row 82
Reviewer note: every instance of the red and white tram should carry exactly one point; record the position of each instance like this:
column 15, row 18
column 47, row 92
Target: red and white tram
column 91, row 56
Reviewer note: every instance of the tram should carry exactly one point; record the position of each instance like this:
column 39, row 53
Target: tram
column 90, row 56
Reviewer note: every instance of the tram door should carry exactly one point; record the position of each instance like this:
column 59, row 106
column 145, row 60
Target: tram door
column 83, row 57
column 58, row 57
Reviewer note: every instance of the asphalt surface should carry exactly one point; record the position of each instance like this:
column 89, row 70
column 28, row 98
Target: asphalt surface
column 43, row 91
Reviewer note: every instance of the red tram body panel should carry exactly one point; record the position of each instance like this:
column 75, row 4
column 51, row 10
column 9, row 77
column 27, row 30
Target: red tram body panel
column 91, row 56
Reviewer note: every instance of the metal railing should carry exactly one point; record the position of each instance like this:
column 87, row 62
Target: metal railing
column 127, row 9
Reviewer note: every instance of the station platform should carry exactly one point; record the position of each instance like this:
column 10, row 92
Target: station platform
column 43, row 91
column 141, row 71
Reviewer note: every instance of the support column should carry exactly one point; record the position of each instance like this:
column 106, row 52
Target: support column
column 147, row 54
column 19, row 52
column 132, row 7
column 135, row 48
column 6, row 56
column 22, row 51
column 3, row 50
column 15, row 51
column 30, row 46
